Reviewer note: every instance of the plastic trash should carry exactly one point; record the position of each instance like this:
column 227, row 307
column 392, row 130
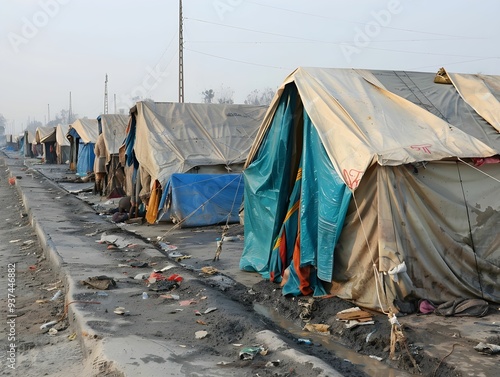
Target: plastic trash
column 200, row 334
column 248, row 353
column 145, row 295
column 47, row 325
column 56, row 295
column 305, row 341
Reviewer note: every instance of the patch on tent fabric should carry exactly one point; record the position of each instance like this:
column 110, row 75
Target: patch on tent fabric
column 463, row 308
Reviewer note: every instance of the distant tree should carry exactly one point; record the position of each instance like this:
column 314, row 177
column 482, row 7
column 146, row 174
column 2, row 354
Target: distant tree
column 208, row 95
column 257, row 97
column 225, row 95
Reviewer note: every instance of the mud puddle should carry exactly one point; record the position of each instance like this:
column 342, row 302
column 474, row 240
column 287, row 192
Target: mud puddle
column 370, row 366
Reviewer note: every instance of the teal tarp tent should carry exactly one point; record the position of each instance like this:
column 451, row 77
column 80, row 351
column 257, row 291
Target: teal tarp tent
column 362, row 183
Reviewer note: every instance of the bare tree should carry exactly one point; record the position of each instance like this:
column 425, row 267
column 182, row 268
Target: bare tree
column 208, row 95
column 256, row 97
column 225, row 95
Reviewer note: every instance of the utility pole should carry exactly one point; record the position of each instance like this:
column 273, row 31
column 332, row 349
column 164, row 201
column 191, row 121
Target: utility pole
column 106, row 95
column 181, row 57
column 115, row 103
column 48, row 113
column 70, row 111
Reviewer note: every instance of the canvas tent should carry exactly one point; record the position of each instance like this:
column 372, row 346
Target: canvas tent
column 62, row 144
column 167, row 138
column 82, row 135
column 46, row 136
column 113, row 128
column 377, row 186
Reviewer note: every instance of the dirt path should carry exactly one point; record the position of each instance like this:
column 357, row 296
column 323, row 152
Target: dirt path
column 27, row 286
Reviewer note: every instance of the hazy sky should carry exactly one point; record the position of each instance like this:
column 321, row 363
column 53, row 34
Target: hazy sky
column 50, row 48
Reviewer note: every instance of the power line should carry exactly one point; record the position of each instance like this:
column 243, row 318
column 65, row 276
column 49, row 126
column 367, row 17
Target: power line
column 337, row 43
column 354, row 22
column 237, row 61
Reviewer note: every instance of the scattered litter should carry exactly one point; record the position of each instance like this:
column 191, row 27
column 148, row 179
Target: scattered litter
column 93, row 233
column 305, row 341
column 56, row 295
column 47, row 325
column 167, row 247
column 376, row 357
column 100, row 282
column 28, row 242
column 166, row 268
column 119, row 310
column 123, row 265
column 175, row 254
column 370, row 335
column 139, row 264
column 209, row 310
column 52, row 331
column 230, row 238
column 142, row 276
column 41, row 301
column 308, row 306
column 200, row 334
column 182, row 257
column 224, row 362
column 248, row 353
column 102, row 294
column 163, row 285
column 200, row 322
column 120, row 242
column 487, row 348
column 173, row 297
column 355, row 317
column 72, row 336
column 318, row 328
column 187, row 302
column 145, row 295
column 197, row 312
column 272, row 363
column 14, row 241
column 175, row 277
column 209, row 270
column 237, row 344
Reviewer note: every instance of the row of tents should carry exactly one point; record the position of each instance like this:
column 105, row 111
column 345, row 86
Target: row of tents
column 380, row 187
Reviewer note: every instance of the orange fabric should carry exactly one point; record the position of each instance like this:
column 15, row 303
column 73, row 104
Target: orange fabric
column 154, row 202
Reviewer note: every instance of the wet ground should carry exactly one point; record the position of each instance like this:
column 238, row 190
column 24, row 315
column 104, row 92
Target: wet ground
column 247, row 306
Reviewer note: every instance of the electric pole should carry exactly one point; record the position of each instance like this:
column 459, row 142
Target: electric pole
column 106, row 95
column 181, row 57
column 70, row 111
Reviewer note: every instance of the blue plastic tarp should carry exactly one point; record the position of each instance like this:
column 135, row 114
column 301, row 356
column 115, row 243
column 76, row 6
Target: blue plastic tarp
column 284, row 230
column 203, row 199
column 86, row 157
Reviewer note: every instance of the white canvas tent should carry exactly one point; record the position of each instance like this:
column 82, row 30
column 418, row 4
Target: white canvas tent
column 113, row 128
column 416, row 206
column 46, row 136
column 166, row 138
column 62, row 144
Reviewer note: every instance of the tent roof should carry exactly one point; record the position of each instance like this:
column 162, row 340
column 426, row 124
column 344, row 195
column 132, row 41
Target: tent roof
column 87, row 129
column 61, row 132
column 114, row 127
column 393, row 118
column 45, row 134
column 175, row 137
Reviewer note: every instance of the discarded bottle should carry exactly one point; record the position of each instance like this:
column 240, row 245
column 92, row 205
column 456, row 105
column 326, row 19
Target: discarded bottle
column 144, row 295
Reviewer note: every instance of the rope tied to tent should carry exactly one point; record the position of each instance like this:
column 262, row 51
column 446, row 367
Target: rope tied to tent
column 398, row 337
column 397, row 334
column 226, row 227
